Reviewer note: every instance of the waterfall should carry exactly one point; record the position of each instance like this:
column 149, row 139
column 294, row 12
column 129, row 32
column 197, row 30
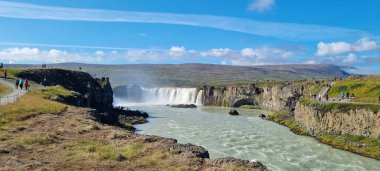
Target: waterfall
column 199, row 98
column 162, row 95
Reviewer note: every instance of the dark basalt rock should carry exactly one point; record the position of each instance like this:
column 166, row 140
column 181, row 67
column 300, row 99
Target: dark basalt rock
column 237, row 162
column 95, row 93
column 233, row 112
column 190, row 150
column 262, row 116
column 184, row 106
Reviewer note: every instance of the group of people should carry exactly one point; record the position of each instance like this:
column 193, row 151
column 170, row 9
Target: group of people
column 21, row 83
column 347, row 95
column 315, row 97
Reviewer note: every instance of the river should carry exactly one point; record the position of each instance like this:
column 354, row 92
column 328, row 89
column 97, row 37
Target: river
column 248, row 137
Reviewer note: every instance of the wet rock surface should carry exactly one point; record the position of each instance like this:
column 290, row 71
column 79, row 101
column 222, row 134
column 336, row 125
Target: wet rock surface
column 233, row 112
column 184, row 106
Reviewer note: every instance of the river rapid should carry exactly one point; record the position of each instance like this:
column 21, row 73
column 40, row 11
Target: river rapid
column 248, row 137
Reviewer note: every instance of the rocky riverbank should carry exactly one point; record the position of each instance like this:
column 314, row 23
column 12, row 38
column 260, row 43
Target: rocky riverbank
column 351, row 127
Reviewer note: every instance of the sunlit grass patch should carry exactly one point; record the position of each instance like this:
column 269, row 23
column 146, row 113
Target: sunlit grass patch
column 366, row 89
column 358, row 144
column 284, row 119
column 4, row 90
column 58, row 90
column 100, row 150
column 26, row 107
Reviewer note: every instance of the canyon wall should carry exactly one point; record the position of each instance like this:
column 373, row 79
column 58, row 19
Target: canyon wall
column 269, row 97
column 355, row 121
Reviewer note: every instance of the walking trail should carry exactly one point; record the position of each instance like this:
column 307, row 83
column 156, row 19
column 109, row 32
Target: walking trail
column 325, row 90
column 13, row 96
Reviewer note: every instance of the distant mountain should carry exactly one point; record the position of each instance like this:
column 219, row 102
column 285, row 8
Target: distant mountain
column 198, row 74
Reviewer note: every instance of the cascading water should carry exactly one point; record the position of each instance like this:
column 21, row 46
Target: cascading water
column 199, row 98
column 162, row 95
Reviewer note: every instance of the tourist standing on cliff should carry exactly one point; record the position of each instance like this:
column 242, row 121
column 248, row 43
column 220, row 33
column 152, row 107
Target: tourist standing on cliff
column 348, row 95
column 21, row 83
column 26, row 84
column 327, row 97
column 342, row 94
column 5, row 74
column 17, row 83
column 45, row 82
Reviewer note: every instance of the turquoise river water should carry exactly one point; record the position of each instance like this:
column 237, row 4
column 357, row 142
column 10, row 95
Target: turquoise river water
column 248, row 137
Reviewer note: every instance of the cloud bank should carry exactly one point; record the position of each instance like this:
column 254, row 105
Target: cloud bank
column 254, row 27
column 337, row 48
column 247, row 56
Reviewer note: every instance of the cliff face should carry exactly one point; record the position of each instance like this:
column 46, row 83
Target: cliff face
column 354, row 122
column 96, row 93
column 273, row 98
column 228, row 95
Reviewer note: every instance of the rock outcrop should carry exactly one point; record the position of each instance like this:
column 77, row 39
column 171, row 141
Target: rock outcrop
column 96, row 93
column 229, row 95
column 274, row 98
column 233, row 112
column 354, row 122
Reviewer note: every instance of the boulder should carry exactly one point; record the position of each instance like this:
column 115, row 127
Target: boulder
column 229, row 161
column 233, row 112
column 262, row 116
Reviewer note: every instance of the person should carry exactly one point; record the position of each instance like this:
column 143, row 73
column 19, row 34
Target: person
column 348, row 95
column 45, row 82
column 21, row 84
column 5, row 74
column 352, row 96
column 26, row 84
column 17, row 83
column 342, row 94
column 319, row 97
column 1, row 65
column 327, row 97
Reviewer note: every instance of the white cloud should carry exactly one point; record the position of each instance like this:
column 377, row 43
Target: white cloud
column 261, row 56
column 247, row 56
column 177, row 51
column 99, row 53
column 350, row 58
column 261, row 5
column 217, row 52
column 254, row 27
column 336, row 48
column 27, row 55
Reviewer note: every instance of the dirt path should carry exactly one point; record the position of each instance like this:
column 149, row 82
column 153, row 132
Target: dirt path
column 13, row 96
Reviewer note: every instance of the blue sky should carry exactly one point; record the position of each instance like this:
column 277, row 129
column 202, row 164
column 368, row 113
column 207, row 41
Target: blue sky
column 244, row 32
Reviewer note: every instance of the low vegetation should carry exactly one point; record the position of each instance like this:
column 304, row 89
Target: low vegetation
column 357, row 144
column 12, row 72
column 325, row 107
column 283, row 118
column 58, row 90
column 32, row 104
column 365, row 89
column 4, row 90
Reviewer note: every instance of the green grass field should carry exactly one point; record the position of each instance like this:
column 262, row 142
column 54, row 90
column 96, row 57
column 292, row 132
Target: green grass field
column 365, row 89
column 4, row 90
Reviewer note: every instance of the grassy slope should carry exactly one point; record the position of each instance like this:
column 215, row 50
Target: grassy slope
column 31, row 105
column 4, row 90
column 366, row 89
